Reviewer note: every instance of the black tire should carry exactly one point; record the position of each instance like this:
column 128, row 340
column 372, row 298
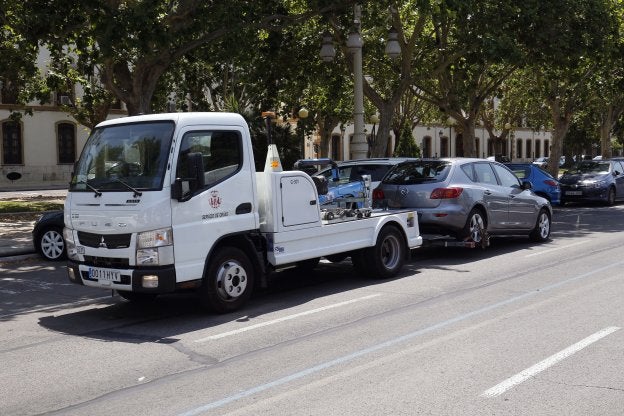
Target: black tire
column 50, row 244
column 475, row 228
column 228, row 281
column 139, row 298
column 541, row 232
column 610, row 197
column 386, row 258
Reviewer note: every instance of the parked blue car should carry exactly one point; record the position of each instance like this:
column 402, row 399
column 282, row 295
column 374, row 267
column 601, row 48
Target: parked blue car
column 334, row 188
column 543, row 183
column 593, row 180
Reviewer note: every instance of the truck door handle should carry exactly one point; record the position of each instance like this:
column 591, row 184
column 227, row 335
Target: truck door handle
column 313, row 202
column 244, row 208
column 487, row 192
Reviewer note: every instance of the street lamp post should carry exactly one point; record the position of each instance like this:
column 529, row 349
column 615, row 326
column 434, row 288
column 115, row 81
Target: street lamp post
column 435, row 152
column 508, row 128
column 303, row 114
column 354, row 44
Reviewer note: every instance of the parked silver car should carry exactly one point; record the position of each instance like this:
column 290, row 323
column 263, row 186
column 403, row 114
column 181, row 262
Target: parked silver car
column 464, row 198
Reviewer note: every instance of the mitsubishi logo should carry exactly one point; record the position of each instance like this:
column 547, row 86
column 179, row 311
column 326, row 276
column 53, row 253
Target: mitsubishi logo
column 102, row 243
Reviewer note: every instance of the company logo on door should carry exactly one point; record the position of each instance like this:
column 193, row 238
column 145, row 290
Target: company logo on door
column 215, row 199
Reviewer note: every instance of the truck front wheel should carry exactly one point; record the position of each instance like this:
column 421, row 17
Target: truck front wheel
column 228, row 282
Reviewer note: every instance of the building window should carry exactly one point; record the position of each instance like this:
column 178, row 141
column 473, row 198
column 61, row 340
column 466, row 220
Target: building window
column 12, row 143
column 546, row 148
column 426, row 146
column 66, row 143
column 444, row 147
column 335, row 147
column 519, row 147
column 529, row 150
column 538, row 148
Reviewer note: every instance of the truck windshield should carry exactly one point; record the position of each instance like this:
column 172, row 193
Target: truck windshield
column 124, row 157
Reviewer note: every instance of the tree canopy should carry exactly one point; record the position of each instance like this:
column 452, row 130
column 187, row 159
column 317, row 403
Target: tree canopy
column 534, row 63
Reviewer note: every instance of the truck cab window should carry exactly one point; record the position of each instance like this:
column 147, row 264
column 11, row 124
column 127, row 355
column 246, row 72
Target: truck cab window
column 221, row 153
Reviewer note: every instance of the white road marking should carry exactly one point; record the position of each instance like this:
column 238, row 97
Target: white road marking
column 241, row 394
column 285, row 318
column 557, row 248
column 548, row 362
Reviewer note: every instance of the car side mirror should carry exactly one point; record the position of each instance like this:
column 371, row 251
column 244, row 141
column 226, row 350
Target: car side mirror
column 526, row 185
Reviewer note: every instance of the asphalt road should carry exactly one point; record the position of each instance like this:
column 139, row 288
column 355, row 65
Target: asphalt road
column 517, row 329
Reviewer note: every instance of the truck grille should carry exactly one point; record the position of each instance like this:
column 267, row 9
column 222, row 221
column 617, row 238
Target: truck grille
column 104, row 240
column 111, row 262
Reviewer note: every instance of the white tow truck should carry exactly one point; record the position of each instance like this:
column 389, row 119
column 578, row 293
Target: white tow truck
column 167, row 202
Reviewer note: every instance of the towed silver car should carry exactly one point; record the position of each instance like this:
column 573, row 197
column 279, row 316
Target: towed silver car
column 465, row 198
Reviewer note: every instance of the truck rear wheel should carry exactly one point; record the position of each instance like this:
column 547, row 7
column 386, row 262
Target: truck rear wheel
column 228, row 282
column 385, row 259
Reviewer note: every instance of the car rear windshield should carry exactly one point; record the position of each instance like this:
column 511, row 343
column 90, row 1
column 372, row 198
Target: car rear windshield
column 418, row 172
column 521, row 171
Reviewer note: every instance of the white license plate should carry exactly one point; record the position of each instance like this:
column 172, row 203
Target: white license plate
column 104, row 274
column 574, row 193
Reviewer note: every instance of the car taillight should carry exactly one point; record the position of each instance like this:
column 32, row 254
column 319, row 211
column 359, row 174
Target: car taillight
column 446, row 193
column 550, row 182
column 378, row 194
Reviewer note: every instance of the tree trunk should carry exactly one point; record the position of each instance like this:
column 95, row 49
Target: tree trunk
column 379, row 146
column 561, row 123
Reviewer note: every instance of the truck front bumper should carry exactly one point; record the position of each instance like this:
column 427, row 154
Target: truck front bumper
column 142, row 280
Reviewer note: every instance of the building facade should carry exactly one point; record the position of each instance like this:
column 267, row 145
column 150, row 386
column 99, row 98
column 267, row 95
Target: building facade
column 522, row 145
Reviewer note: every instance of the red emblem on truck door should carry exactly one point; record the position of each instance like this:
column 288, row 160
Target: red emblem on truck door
column 215, row 199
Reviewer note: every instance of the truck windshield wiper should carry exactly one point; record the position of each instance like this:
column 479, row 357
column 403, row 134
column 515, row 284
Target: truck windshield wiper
column 97, row 192
column 136, row 191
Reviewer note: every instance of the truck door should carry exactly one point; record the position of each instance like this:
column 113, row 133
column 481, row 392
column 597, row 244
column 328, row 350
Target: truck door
column 225, row 205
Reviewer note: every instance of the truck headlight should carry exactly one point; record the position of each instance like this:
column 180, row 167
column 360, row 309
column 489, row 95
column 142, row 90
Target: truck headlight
column 155, row 238
column 155, row 248
column 70, row 244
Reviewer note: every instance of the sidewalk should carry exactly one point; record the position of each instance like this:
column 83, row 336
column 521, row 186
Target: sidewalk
column 16, row 234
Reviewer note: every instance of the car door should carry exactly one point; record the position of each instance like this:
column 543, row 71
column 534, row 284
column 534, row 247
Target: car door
column 619, row 179
column 523, row 206
column 495, row 198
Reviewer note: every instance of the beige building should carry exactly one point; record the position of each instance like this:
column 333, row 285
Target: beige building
column 38, row 152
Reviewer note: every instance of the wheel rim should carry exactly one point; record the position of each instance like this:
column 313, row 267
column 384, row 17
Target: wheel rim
column 477, row 227
column 52, row 244
column 231, row 280
column 611, row 196
column 390, row 252
column 544, row 225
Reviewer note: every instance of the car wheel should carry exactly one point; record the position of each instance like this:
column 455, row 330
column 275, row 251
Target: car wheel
column 475, row 227
column 50, row 244
column 541, row 232
column 610, row 197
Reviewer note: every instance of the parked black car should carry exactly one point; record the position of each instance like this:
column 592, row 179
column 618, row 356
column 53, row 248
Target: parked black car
column 48, row 236
column 593, row 180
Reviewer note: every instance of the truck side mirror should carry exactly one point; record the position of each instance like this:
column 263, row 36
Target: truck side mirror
column 184, row 188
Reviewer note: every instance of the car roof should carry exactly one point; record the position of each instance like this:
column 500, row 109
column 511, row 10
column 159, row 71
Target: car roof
column 375, row 160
